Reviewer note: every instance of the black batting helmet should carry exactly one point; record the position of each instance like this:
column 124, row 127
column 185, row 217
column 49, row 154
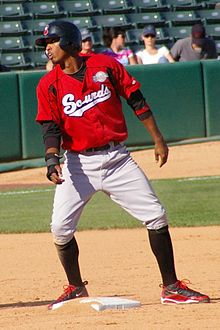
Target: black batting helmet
column 67, row 32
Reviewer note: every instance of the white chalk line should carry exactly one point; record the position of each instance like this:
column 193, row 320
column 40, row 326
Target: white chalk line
column 203, row 178
column 21, row 192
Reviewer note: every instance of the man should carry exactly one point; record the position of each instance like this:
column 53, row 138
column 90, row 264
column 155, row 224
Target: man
column 79, row 104
column 196, row 47
column 86, row 44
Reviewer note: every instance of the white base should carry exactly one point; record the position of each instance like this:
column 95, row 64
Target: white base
column 102, row 303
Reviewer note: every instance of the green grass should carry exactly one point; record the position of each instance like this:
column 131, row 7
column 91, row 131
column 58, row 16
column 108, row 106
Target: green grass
column 188, row 203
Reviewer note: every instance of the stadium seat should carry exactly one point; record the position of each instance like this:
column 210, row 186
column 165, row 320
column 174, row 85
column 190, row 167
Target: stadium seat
column 217, row 43
column 134, row 37
column 83, row 22
column 177, row 32
column 44, row 9
column 16, row 61
column 111, row 20
column 36, row 25
column 213, row 30
column 211, row 16
column 183, row 5
column 77, row 8
column 13, row 11
column 212, row 4
column 148, row 5
column 181, row 18
column 108, row 7
column 13, row 45
column 142, row 19
column 38, row 59
column 12, row 28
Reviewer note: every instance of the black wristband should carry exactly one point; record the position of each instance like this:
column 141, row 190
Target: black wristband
column 52, row 159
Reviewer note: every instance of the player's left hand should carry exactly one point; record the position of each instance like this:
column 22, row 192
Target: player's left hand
column 161, row 152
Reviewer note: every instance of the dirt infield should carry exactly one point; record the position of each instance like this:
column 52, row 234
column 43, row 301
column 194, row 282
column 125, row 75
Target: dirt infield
column 115, row 263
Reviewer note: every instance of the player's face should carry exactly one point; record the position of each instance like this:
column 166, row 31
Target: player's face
column 54, row 52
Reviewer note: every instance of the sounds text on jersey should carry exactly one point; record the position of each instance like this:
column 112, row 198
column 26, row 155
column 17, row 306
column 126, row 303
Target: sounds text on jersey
column 76, row 108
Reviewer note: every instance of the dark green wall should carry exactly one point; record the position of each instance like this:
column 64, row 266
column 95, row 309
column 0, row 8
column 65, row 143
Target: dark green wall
column 175, row 95
column 184, row 98
column 211, row 72
column 10, row 128
column 32, row 143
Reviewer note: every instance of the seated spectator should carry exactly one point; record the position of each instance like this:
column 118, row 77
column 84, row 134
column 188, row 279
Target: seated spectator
column 87, row 44
column 195, row 47
column 151, row 54
column 114, row 40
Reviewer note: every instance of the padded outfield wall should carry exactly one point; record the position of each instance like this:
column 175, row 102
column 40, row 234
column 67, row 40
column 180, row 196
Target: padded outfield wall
column 184, row 98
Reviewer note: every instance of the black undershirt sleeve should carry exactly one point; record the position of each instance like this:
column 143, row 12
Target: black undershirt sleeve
column 137, row 102
column 51, row 134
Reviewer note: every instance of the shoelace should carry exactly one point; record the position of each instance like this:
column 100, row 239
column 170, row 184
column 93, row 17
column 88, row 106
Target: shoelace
column 69, row 289
column 181, row 284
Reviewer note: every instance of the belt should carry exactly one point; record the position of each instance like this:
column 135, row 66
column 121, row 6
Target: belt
column 105, row 147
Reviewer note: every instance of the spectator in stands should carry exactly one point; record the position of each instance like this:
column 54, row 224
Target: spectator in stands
column 195, row 47
column 114, row 40
column 87, row 44
column 151, row 54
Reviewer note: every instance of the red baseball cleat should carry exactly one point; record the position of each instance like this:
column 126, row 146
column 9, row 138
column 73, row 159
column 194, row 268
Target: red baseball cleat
column 70, row 292
column 179, row 293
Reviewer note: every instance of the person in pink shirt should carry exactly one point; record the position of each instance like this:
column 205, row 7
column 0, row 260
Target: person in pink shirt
column 114, row 40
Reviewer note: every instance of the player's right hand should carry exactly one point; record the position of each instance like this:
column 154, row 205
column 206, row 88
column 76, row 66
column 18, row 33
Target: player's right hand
column 54, row 174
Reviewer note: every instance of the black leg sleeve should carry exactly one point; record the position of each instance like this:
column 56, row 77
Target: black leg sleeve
column 68, row 255
column 161, row 246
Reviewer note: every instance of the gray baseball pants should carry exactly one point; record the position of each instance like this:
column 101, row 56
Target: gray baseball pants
column 112, row 171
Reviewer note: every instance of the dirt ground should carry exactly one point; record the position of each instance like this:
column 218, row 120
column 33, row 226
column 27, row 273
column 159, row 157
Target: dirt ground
column 116, row 263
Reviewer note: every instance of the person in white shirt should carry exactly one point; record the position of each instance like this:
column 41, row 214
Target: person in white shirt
column 152, row 54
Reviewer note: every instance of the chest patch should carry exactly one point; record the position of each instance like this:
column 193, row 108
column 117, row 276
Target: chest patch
column 76, row 108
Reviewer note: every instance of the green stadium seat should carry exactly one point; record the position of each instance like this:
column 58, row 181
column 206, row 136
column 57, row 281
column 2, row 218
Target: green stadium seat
column 12, row 28
column 12, row 12
column 108, row 7
column 148, row 5
column 13, row 45
column 38, row 59
column 142, row 19
column 84, row 22
column 218, row 47
column 181, row 18
column 213, row 30
column 78, row 8
column 44, row 9
column 16, row 61
column 211, row 16
column 111, row 20
column 177, row 32
column 36, row 25
column 212, row 4
column 183, row 5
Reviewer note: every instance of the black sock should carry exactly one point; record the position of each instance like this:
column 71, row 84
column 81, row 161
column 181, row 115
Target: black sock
column 68, row 255
column 161, row 246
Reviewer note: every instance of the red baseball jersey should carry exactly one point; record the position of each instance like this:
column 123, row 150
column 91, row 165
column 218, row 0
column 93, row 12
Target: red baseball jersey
column 89, row 113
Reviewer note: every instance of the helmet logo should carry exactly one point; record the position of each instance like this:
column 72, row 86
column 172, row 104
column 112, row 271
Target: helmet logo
column 46, row 30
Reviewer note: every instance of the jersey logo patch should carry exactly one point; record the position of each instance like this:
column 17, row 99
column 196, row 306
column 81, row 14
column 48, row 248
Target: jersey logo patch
column 100, row 76
column 76, row 108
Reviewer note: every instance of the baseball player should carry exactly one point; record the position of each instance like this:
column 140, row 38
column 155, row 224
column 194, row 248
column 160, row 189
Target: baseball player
column 79, row 108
